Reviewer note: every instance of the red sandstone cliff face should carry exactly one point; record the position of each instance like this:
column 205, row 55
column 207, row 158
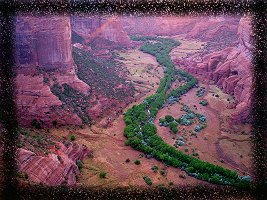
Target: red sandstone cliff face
column 230, row 68
column 58, row 167
column 44, row 60
column 44, row 49
column 204, row 28
column 43, row 43
column 109, row 28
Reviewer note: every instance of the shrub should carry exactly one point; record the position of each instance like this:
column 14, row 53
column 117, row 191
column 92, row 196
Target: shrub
column 155, row 168
column 102, row 174
column 137, row 162
column 54, row 123
column 203, row 103
column 79, row 164
column 147, row 180
column 36, row 124
column 169, row 118
column 170, row 183
column 72, row 137
column 163, row 172
column 59, row 158
column 127, row 160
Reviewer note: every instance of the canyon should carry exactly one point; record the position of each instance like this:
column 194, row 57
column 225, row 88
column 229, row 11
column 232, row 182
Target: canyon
column 68, row 74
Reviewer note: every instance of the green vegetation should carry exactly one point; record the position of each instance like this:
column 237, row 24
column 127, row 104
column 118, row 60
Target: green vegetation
column 137, row 162
column 72, row 137
column 36, row 124
column 79, row 164
column 54, row 123
column 101, row 74
column 141, row 133
column 169, row 121
column 102, row 174
column 77, row 102
column 163, row 172
column 203, row 103
column 147, row 180
column 155, row 168
column 200, row 92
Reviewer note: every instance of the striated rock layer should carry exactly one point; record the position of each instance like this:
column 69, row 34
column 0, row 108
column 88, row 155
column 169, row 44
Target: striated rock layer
column 109, row 28
column 230, row 69
column 57, row 168
column 43, row 43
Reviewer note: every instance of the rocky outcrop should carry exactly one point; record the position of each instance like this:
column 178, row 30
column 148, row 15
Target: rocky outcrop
column 204, row 28
column 230, row 69
column 54, row 169
column 44, row 50
column 35, row 100
column 108, row 28
column 43, row 43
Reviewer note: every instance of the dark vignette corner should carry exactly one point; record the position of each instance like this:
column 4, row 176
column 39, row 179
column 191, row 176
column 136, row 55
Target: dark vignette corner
column 257, row 8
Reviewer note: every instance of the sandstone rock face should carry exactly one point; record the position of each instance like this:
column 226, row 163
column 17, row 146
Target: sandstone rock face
column 43, row 43
column 43, row 49
column 230, row 68
column 57, row 168
column 109, row 28
column 36, row 101
column 204, row 28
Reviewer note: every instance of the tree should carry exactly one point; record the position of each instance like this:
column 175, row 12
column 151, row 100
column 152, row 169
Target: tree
column 169, row 118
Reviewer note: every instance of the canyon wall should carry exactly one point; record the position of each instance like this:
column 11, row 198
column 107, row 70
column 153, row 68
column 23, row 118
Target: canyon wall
column 43, row 52
column 43, row 42
column 109, row 28
column 230, row 69
column 58, row 167
column 203, row 28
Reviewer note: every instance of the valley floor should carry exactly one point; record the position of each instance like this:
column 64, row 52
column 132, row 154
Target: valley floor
column 220, row 143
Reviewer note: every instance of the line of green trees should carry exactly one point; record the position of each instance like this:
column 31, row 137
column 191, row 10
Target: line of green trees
column 141, row 133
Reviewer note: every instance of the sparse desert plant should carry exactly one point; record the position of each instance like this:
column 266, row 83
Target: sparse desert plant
column 102, row 174
column 163, row 172
column 79, row 164
column 54, row 123
column 203, row 103
column 137, row 162
column 36, row 124
column 147, row 180
column 155, row 168
column 72, row 137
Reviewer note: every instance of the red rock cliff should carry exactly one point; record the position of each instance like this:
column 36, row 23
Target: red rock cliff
column 230, row 68
column 43, row 42
column 43, row 50
column 109, row 28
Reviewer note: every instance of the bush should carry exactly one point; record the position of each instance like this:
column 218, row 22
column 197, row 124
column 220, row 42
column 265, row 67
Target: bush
column 169, row 118
column 203, row 103
column 137, row 162
column 54, row 123
column 147, row 180
column 72, row 137
column 155, row 168
column 102, row 174
column 36, row 124
column 79, row 164
column 163, row 172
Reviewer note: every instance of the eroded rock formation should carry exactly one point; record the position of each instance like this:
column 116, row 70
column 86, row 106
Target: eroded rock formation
column 58, row 167
column 43, row 43
column 109, row 28
column 230, row 69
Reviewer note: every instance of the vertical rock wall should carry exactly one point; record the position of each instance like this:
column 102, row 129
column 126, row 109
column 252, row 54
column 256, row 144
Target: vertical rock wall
column 43, row 42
